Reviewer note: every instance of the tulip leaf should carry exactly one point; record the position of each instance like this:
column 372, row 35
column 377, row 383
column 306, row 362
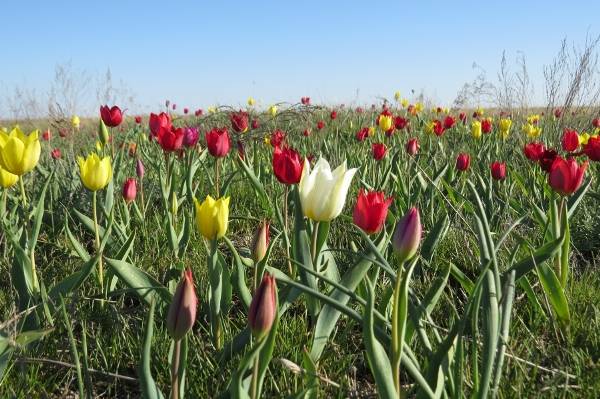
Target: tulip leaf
column 77, row 246
column 554, row 292
column 147, row 383
column 540, row 255
column 238, row 277
column 72, row 282
column 576, row 198
column 434, row 237
column 38, row 216
column 139, row 281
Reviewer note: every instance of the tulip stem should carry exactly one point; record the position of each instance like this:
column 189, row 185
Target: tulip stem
column 286, row 227
column 217, row 170
column 97, row 231
column 175, row 370
column 23, row 195
column 315, row 238
column 254, row 383
column 4, row 200
column 396, row 344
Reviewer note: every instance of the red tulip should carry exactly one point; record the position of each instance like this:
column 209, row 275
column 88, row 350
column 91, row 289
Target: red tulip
column 218, row 142
column 306, row 132
column 174, row 106
column 139, row 169
column 129, row 190
column 47, row 135
column 320, row 125
column 305, row 100
column 592, row 148
column 198, row 112
column 379, row 151
column 498, row 170
column 362, row 134
column 534, row 151
column 171, row 139
column 254, row 125
column 570, row 140
column 333, row 115
column 371, row 210
column 56, row 154
column 239, row 121
column 449, row 122
column 111, row 116
column 438, row 128
column 191, row 137
column 412, row 146
column 287, row 165
column 463, row 117
column 547, row 159
column 138, row 119
column 263, row 308
column 182, row 311
column 359, row 110
column 407, row 235
column 400, row 122
column 486, row 126
column 185, row 111
column 596, row 123
column 277, row 138
column 557, row 113
column 157, row 122
column 566, row 176
column 462, row 162
column 63, row 132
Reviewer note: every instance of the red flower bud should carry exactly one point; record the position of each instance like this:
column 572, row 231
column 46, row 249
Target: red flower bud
column 462, row 162
column 129, row 190
column 263, row 308
column 56, row 154
column 139, row 169
column 534, row 151
column 379, row 151
column 498, row 170
column 182, row 311
column 320, row 125
column 47, row 135
column 239, row 121
column 277, row 138
column 333, row 115
column 412, row 146
column 158, row 122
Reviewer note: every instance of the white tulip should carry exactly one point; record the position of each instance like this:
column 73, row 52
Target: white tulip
column 322, row 192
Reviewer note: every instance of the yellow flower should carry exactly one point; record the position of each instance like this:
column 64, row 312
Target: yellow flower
column 419, row 107
column 7, row 179
column 476, row 129
column 531, row 130
column 19, row 153
column 479, row 111
column 533, row 119
column 351, row 125
column 404, row 103
column 504, row 126
column 75, row 122
column 212, row 217
column 385, row 122
column 273, row 110
column 267, row 140
column 98, row 146
column 212, row 110
column 429, row 126
column 584, row 138
column 251, row 101
column 371, row 131
column 397, row 95
column 95, row 173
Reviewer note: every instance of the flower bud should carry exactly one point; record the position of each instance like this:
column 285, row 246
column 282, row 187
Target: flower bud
column 260, row 241
column 407, row 235
column 182, row 311
column 129, row 190
column 139, row 169
column 102, row 132
column 263, row 308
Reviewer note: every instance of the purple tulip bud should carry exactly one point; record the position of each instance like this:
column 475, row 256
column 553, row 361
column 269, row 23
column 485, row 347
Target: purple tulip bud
column 190, row 136
column 407, row 235
column 139, row 169
column 263, row 308
column 182, row 311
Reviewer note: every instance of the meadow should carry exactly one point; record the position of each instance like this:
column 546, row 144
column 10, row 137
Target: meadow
column 302, row 250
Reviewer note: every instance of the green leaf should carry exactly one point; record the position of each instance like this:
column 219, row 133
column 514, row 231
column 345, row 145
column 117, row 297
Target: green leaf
column 554, row 292
column 139, row 281
column 147, row 383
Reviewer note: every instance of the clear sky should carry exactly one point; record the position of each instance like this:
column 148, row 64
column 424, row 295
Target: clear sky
column 201, row 53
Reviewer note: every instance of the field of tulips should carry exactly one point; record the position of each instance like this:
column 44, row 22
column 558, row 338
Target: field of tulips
column 301, row 251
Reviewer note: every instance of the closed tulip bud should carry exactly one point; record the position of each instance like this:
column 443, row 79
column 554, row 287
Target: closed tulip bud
column 112, row 117
column 138, row 120
column 186, row 110
column 251, row 101
column 407, row 235
column 323, row 192
column 47, row 135
column 260, row 241
column 498, row 170
column 95, row 173
column 462, row 162
column 412, row 146
column 287, row 165
column 212, row 217
column 103, row 135
column 263, row 308
column 504, row 127
column 139, row 169
column 397, row 96
column 19, row 153
column 56, row 154
column 129, row 190
column 333, row 115
column 190, row 137
column 255, row 124
column 7, row 179
column 218, row 142
column 476, row 129
column 182, row 311
column 566, row 176
column 320, row 125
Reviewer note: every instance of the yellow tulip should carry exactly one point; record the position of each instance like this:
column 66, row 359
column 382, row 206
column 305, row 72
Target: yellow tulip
column 212, row 110
column 273, row 110
column 533, row 119
column 75, row 122
column 504, row 126
column 476, row 129
column 531, row 130
column 371, row 131
column 397, row 95
column 479, row 111
column 404, row 103
column 19, row 153
column 251, row 101
column 429, row 126
column 385, row 122
column 95, row 173
column 7, row 179
column 212, row 217
column 267, row 140
column 419, row 107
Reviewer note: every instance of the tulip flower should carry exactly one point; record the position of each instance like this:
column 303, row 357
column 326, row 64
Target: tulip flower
column 112, row 117
column 130, row 190
column 533, row 119
column 532, row 130
column 400, row 123
column 56, row 153
column 362, row 134
column 449, row 122
column 7, row 179
column 462, row 162
column 407, row 235
column 534, row 151
column 139, row 169
column 170, row 139
column 498, row 170
column 182, row 310
column 239, row 121
column 19, row 153
column 305, row 100
column 592, row 148
column 273, row 110
column 504, row 127
column 198, row 112
column 547, row 159
column 190, row 137
column 218, row 142
column 255, row 124
column 565, row 176
column 158, row 122
column 379, row 150
column 75, row 122
column 570, row 140
column 186, row 110
column 371, row 210
column 486, row 125
column 596, row 123
column 476, row 129
column 323, row 192
column 251, row 101
column 95, row 173
column 260, row 241
column 277, row 138
column 263, row 308
column 385, row 121
column 320, row 125
column 212, row 217
column 287, row 165
column 438, row 128
column 333, row 115
column 397, row 96
column 557, row 113
column 412, row 146
column 138, row 120
column 47, row 135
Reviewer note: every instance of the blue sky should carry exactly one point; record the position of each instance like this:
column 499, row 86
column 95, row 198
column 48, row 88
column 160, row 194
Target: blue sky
column 201, row 53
